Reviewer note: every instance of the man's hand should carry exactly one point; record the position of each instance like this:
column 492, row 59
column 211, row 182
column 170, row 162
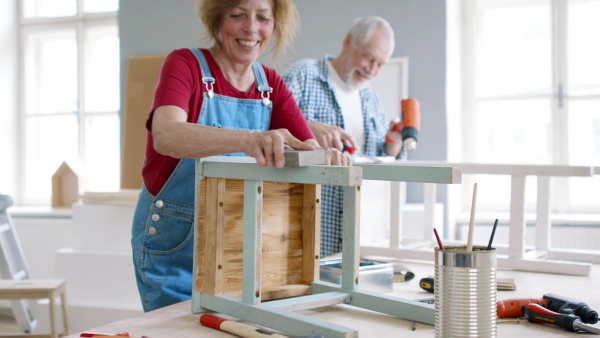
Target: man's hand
column 330, row 136
column 334, row 156
column 393, row 139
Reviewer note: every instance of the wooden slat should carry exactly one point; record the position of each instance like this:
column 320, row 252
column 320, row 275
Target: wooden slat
column 213, row 236
column 285, row 291
column 252, row 261
column 328, row 175
column 351, row 238
column 396, row 172
column 508, row 169
column 311, row 233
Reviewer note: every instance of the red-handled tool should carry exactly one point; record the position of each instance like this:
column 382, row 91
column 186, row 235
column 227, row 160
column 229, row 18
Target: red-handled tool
column 92, row 334
column 240, row 329
column 349, row 148
column 536, row 313
column 513, row 308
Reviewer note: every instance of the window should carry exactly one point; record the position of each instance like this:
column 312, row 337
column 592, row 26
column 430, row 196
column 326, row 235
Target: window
column 70, row 94
column 533, row 94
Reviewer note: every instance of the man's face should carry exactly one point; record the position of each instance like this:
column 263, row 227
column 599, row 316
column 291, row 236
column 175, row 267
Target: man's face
column 366, row 59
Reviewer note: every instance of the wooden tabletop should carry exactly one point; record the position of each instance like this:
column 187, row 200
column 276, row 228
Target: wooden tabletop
column 177, row 320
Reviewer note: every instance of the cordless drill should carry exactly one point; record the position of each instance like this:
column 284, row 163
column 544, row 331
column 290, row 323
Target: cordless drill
column 409, row 125
column 513, row 308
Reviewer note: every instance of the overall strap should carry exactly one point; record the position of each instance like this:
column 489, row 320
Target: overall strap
column 261, row 82
column 207, row 79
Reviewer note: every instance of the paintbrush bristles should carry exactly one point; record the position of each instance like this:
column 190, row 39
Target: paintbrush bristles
column 472, row 221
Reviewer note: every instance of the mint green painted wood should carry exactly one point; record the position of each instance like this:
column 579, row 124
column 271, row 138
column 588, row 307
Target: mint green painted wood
column 394, row 306
column 395, row 171
column 274, row 318
column 252, row 262
column 317, row 174
column 196, row 306
column 279, row 314
column 311, row 301
column 350, row 238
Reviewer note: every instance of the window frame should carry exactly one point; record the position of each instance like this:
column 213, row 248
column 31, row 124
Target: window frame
column 79, row 22
column 560, row 202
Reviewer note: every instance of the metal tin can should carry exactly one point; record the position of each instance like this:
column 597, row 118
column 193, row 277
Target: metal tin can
column 465, row 292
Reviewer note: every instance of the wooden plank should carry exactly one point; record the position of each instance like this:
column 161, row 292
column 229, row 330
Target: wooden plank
column 543, row 225
column 285, row 321
column 9, row 286
column 252, row 261
column 351, row 238
column 302, row 158
column 142, row 75
column 284, row 291
column 508, row 169
column 311, row 301
column 327, row 175
column 213, row 237
column 396, row 172
column 311, row 233
column 545, row 265
column 556, row 264
column 516, row 229
column 396, row 206
column 393, row 306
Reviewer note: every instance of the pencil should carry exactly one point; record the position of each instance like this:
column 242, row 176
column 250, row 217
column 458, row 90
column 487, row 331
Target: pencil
column 438, row 239
column 489, row 247
column 471, row 223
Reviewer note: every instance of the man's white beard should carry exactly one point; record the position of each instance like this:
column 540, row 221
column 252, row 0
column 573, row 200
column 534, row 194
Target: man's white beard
column 352, row 84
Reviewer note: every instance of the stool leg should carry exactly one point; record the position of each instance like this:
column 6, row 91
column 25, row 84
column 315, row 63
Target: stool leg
column 63, row 300
column 53, row 332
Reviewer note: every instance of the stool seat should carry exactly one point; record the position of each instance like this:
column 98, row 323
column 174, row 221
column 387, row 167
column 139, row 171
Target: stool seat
column 38, row 289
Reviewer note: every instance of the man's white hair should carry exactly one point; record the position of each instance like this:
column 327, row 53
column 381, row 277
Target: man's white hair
column 362, row 29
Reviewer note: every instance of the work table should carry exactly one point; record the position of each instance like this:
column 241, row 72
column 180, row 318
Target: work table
column 177, row 321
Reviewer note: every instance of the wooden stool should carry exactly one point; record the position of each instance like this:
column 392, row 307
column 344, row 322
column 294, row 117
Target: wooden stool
column 38, row 289
column 257, row 238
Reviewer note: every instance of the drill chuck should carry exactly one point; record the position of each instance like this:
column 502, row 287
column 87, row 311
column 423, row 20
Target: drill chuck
column 566, row 305
column 409, row 138
column 410, row 144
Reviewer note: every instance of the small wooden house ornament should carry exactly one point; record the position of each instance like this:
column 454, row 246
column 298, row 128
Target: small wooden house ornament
column 68, row 183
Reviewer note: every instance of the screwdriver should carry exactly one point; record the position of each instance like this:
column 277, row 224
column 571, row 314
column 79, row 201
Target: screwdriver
column 536, row 313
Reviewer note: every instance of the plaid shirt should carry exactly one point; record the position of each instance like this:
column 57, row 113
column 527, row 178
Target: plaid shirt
column 309, row 82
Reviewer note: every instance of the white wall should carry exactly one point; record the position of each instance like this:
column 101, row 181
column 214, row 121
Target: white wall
column 8, row 95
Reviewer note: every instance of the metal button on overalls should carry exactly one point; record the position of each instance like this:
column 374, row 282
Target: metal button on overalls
column 155, row 217
column 159, row 204
column 152, row 230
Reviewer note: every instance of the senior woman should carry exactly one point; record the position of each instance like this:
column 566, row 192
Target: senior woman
column 216, row 101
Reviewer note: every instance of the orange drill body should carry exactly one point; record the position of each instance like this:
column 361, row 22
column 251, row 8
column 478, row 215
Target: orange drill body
column 410, row 125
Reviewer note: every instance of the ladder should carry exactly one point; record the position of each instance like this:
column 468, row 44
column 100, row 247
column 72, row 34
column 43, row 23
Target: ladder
column 13, row 266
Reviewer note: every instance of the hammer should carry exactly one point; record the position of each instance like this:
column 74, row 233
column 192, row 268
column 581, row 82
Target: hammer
column 241, row 329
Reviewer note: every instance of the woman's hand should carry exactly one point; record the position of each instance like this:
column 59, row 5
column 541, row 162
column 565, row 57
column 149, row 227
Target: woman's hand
column 267, row 147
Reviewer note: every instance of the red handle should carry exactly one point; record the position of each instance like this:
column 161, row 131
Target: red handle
column 513, row 308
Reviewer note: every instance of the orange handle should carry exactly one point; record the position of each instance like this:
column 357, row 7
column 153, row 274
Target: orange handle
column 411, row 116
column 513, row 308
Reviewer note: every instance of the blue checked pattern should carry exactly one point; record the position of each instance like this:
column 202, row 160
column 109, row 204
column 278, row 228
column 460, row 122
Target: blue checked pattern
column 309, row 82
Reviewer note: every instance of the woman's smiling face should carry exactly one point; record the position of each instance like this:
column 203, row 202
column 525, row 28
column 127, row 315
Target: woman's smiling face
column 246, row 30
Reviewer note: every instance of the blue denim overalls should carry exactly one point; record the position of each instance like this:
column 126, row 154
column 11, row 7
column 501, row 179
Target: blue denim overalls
column 162, row 232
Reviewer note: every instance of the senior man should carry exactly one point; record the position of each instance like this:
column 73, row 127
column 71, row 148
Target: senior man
column 342, row 108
